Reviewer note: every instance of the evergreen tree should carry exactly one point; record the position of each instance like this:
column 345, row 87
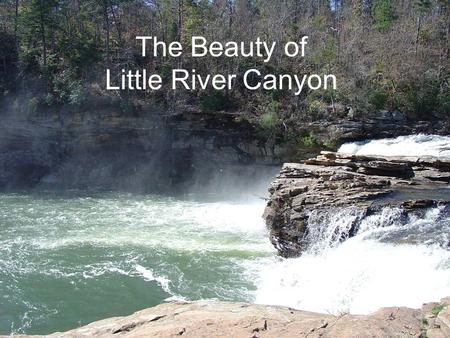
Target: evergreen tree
column 383, row 14
column 38, row 24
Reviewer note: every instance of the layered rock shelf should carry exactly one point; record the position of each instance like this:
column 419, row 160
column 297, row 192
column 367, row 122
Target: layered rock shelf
column 332, row 181
column 105, row 148
column 209, row 319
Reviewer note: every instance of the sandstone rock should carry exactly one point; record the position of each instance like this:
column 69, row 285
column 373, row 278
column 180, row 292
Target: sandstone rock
column 210, row 319
column 333, row 180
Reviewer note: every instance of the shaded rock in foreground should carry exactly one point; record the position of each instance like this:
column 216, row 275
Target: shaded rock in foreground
column 207, row 319
column 332, row 181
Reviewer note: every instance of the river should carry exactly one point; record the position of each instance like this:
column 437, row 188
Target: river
column 69, row 258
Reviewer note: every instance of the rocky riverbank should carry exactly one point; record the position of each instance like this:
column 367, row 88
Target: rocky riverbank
column 209, row 319
column 305, row 196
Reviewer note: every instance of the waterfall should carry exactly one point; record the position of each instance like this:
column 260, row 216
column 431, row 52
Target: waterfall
column 390, row 261
column 327, row 228
column 412, row 145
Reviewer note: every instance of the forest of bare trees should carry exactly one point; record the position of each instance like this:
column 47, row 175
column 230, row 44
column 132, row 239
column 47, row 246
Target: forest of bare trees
column 386, row 54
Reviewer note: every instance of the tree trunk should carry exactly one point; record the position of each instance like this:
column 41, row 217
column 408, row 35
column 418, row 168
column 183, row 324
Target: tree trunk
column 419, row 24
column 42, row 23
column 16, row 18
column 106, row 18
column 230, row 15
column 180, row 19
column 118, row 26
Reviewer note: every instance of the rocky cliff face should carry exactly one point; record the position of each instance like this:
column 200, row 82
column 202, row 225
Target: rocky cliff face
column 151, row 151
column 159, row 150
column 305, row 194
column 206, row 319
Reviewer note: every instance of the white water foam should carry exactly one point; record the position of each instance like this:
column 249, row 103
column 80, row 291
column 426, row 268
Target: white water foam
column 413, row 145
column 181, row 225
column 162, row 281
column 361, row 274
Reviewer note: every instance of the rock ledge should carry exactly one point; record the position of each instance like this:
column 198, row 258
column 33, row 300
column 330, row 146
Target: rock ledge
column 333, row 181
column 210, row 319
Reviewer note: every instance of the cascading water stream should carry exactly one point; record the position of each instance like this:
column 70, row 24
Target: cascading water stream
column 413, row 145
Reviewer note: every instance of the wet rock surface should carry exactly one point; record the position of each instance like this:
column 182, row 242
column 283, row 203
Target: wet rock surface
column 209, row 319
column 362, row 184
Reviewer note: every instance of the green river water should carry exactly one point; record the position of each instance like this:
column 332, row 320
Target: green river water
column 67, row 259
